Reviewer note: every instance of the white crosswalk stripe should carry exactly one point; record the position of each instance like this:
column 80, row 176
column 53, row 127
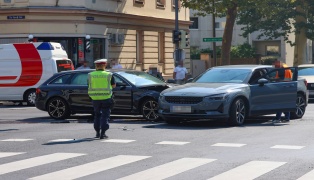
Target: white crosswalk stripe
column 36, row 161
column 307, row 176
column 169, row 169
column 91, row 168
column 249, row 171
column 7, row 154
column 16, row 140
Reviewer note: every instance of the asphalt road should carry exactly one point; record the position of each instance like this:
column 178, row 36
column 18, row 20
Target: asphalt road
column 34, row 146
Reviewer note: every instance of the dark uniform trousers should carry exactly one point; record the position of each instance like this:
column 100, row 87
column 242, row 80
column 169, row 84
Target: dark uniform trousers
column 102, row 114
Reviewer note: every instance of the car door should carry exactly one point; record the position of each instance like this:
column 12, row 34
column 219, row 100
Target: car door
column 78, row 92
column 277, row 94
column 122, row 94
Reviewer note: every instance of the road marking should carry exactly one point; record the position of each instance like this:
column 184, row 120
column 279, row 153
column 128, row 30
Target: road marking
column 307, row 176
column 37, row 161
column 287, row 147
column 91, row 168
column 62, row 140
column 228, row 145
column 17, row 140
column 22, row 108
column 249, row 171
column 118, row 140
column 7, row 154
column 169, row 169
column 173, row 142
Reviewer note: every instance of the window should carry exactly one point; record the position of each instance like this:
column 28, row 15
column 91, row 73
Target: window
column 195, row 23
column 139, row 2
column 79, row 79
column 174, row 4
column 217, row 25
column 161, row 3
column 272, row 51
column 61, row 79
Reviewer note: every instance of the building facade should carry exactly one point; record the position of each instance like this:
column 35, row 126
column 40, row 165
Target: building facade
column 138, row 33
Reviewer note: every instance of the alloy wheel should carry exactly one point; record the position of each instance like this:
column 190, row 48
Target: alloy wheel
column 57, row 108
column 150, row 109
column 300, row 106
column 240, row 111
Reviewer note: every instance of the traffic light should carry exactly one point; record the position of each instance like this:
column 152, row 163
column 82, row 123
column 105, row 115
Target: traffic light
column 176, row 36
column 184, row 39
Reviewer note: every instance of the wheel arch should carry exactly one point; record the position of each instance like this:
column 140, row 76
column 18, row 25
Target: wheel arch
column 26, row 91
column 246, row 101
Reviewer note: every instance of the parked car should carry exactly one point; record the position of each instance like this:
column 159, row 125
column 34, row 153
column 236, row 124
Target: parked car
column 65, row 93
column 307, row 71
column 234, row 92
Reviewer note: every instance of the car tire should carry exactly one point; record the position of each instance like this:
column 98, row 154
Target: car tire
column 149, row 109
column 58, row 108
column 301, row 106
column 30, row 97
column 237, row 113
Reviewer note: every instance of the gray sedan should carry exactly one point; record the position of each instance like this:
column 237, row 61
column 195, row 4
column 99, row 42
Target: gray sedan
column 234, row 93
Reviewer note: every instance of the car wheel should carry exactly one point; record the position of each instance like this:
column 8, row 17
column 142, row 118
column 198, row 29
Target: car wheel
column 237, row 113
column 30, row 97
column 300, row 103
column 58, row 108
column 149, row 110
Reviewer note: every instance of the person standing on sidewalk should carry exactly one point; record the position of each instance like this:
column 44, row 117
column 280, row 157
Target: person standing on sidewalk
column 180, row 73
column 100, row 85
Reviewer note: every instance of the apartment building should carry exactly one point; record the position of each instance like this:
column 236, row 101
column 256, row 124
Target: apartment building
column 202, row 28
column 138, row 33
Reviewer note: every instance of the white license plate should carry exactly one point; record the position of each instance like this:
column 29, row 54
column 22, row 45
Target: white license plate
column 181, row 109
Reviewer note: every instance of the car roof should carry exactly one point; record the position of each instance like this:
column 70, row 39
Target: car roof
column 306, row 65
column 243, row 66
column 109, row 70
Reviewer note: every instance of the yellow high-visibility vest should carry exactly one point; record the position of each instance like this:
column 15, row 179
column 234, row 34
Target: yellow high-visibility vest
column 99, row 85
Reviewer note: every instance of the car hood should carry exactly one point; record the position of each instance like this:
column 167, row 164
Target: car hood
column 201, row 89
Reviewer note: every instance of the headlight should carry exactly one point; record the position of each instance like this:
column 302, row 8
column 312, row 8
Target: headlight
column 217, row 97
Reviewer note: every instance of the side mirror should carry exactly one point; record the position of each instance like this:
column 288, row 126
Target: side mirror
column 189, row 80
column 120, row 84
column 262, row 81
column 171, row 81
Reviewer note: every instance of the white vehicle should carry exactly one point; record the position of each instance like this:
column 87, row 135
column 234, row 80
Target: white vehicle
column 307, row 71
column 25, row 66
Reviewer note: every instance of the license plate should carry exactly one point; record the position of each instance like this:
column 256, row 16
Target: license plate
column 181, row 109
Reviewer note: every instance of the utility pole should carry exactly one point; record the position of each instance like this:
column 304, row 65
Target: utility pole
column 177, row 51
column 214, row 33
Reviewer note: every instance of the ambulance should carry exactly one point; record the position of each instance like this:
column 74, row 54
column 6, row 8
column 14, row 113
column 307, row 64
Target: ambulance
column 25, row 66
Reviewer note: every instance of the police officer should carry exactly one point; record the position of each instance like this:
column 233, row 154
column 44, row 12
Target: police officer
column 100, row 84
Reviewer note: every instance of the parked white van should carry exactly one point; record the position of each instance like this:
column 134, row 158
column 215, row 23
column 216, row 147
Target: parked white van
column 25, row 66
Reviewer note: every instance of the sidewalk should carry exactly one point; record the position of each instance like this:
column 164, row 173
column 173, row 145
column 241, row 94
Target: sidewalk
column 6, row 103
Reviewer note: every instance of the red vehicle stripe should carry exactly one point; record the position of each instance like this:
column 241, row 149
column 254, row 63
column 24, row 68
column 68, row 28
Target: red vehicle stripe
column 32, row 68
column 8, row 77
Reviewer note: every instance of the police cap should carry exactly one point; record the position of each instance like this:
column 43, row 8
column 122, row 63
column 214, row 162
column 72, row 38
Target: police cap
column 101, row 61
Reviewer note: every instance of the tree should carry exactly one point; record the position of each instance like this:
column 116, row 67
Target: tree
column 280, row 18
column 221, row 8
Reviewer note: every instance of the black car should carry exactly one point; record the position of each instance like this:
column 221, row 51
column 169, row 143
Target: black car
column 65, row 93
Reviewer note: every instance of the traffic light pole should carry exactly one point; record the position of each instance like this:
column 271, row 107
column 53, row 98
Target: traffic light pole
column 177, row 52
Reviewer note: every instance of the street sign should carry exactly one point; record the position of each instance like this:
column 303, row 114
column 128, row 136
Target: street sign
column 215, row 39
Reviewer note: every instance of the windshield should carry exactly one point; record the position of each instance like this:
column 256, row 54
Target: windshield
column 217, row 75
column 306, row 71
column 64, row 65
column 140, row 78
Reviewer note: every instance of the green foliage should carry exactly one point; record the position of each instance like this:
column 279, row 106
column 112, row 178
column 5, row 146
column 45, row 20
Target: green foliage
column 242, row 51
column 268, row 60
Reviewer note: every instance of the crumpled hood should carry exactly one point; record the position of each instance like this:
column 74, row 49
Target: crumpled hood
column 201, row 89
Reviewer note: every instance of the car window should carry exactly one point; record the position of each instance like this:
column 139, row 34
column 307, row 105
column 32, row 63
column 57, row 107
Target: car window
column 140, row 78
column 306, row 71
column 280, row 75
column 220, row 75
column 79, row 79
column 118, row 79
column 256, row 75
column 61, row 79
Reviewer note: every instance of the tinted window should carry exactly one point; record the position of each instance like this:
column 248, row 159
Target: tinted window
column 224, row 76
column 306, row 71
column 140, row 78
column 61, row 79
column 79, row 79
column 64, row 65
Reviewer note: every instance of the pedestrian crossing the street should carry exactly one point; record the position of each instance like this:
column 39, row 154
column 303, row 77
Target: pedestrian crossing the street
column 167, row 168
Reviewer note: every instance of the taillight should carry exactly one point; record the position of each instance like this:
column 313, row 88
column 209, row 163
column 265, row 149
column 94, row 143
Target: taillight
column 37, row 91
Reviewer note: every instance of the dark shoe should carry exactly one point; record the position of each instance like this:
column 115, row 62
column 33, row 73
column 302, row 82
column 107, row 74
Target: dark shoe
column 276, row 121
column 103, row 136
column 286, row 120
column 97, row 135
